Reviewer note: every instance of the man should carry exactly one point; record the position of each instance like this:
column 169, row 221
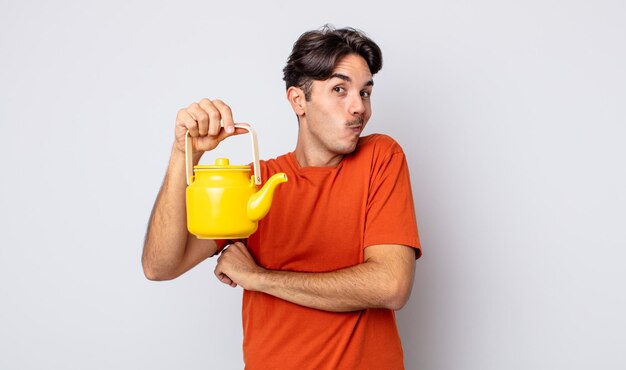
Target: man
column 335, row 256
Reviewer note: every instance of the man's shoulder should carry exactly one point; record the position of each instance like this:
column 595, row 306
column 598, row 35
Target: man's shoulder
column 279, row 163
column 378, row 144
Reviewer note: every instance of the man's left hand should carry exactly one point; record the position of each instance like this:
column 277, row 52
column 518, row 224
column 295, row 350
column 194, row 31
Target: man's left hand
column 235, row 266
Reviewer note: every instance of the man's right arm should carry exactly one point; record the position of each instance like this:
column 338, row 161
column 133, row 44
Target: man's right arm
column 169, row 249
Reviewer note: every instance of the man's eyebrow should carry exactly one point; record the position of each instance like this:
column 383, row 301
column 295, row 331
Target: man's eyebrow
column 348, row 79
column 341, row 76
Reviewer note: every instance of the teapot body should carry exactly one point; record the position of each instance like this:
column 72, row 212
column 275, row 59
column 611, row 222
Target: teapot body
column 217, row 203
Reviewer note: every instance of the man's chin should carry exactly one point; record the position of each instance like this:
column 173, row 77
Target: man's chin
column 348, row 148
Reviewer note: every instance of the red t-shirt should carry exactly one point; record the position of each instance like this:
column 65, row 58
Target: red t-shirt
column 321, row 220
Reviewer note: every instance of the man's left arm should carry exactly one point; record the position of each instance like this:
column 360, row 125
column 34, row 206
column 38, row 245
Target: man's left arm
column 383, row 280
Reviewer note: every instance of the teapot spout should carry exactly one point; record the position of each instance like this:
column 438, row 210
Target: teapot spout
column 259, row 203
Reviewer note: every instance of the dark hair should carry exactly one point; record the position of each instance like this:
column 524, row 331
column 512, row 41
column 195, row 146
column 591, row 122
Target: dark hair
column 316, row 53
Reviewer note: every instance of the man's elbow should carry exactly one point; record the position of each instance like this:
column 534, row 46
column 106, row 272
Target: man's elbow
column 154, row 273
column 399, row 294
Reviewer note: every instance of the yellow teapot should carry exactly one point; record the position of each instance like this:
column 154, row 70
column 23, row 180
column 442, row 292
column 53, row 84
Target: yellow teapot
column 222, row 200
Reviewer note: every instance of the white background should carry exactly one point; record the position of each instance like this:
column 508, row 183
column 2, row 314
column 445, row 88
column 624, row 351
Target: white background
column 511, row 114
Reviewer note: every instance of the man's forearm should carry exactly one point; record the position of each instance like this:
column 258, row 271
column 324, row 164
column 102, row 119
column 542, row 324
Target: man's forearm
column 384, row 280
column 350, row 289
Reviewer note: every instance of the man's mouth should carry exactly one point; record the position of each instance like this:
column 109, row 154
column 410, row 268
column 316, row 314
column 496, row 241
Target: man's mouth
column 356, row 124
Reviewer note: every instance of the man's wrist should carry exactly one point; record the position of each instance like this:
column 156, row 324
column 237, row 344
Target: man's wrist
column 261, row 280
column 178, row 154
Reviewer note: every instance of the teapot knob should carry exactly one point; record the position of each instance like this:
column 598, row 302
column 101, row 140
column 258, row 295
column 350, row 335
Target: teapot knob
column 222, row 162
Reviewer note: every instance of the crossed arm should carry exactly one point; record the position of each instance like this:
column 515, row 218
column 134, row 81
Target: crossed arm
column 383, row 280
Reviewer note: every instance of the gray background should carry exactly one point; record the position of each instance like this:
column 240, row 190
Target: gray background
column 511, row 114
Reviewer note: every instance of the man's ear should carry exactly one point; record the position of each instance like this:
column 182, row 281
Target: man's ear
column 296, row 98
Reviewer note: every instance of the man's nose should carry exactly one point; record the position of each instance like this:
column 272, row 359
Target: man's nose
column 357, row 106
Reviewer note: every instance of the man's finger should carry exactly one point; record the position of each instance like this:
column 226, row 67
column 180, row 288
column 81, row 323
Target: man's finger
column 227, row 116
column 238, row 131
column 226, row 280
column 201, row 117
column 221, row 276
column 214, row 116
column 186, row 120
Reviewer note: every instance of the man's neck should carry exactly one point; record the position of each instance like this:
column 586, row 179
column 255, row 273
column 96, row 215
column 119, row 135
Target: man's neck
column 310, row 156
column 313, row 154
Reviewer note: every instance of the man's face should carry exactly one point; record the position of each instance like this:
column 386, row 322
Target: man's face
column 339, row 107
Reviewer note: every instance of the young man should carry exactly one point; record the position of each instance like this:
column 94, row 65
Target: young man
column 335, row 256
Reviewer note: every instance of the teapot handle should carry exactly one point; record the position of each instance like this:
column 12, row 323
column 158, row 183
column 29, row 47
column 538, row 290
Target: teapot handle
column 255, row 156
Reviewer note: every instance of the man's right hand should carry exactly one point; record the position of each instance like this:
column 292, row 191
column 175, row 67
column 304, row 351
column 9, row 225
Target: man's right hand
column 208, row 122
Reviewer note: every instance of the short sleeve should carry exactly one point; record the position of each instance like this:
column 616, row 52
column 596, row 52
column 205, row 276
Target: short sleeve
column 221, row 244
column 390, row 216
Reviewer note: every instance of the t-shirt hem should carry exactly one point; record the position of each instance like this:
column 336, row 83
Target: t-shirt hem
column 411, row 244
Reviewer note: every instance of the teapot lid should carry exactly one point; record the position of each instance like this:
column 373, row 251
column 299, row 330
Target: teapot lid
column 221, row 164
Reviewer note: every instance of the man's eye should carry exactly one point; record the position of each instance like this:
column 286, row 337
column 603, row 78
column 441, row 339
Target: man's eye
column 338, row 89
column 366, row 94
